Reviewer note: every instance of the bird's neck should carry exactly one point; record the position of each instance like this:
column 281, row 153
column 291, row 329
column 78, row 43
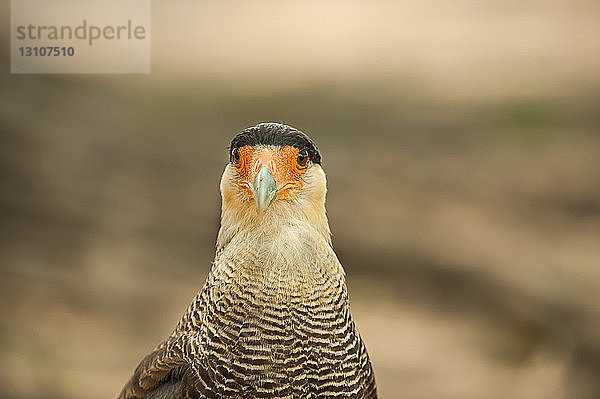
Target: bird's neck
column 284, row 249
column 279, row 224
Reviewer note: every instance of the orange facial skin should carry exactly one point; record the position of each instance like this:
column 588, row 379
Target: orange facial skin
column 282, row 163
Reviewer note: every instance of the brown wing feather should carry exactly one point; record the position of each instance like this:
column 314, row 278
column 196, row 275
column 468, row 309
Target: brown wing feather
column 168, row 390
column 151, row 371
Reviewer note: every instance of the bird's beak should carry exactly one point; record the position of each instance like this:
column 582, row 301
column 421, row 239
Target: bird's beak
column 265, row 189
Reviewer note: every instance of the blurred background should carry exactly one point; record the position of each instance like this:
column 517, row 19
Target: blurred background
column 462, row 146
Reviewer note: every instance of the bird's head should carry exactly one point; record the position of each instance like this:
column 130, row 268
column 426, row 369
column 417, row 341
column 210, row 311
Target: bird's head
column 274, row 172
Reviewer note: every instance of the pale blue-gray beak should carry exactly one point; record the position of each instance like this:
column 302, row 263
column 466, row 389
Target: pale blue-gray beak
column 265, row 189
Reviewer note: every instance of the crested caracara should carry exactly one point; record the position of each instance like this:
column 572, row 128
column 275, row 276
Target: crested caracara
column 273, row 318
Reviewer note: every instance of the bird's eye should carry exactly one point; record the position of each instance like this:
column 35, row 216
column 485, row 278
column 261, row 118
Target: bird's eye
column 302, row 158
column 235, row 156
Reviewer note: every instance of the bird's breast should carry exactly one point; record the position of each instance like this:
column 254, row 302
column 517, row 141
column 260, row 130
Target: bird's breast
column 278, row 344
column 277, row 322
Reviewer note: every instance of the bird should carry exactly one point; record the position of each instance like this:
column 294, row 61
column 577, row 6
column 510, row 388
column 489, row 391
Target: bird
column 273, row 318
